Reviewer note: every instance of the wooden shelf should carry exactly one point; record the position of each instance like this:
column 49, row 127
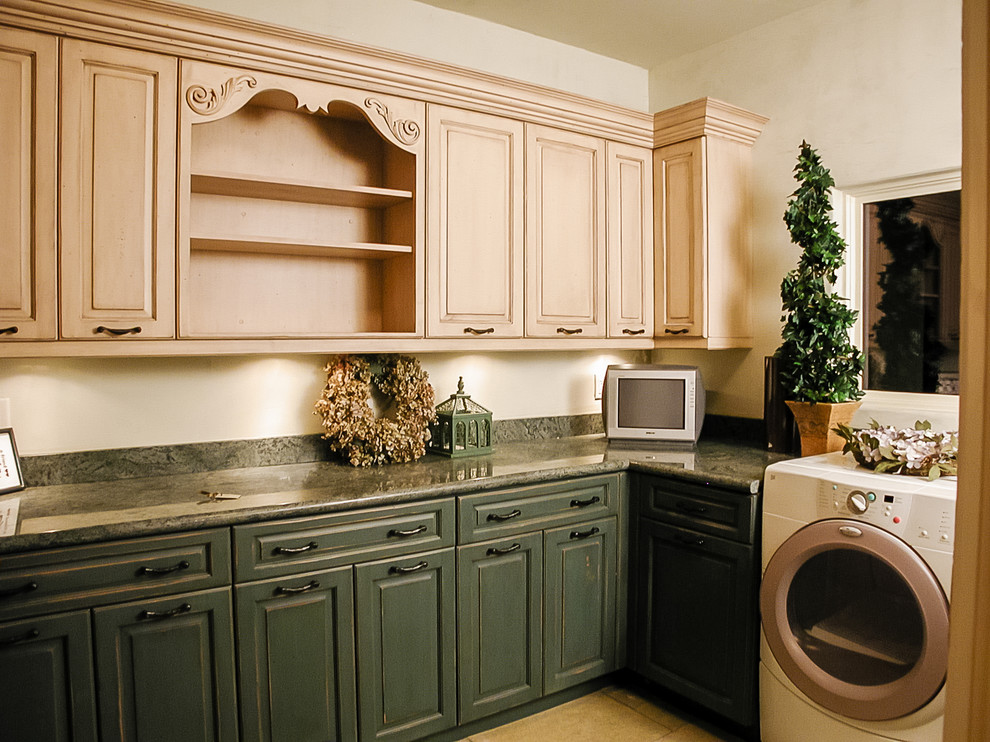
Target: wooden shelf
column 247, row 186
column 283, row 246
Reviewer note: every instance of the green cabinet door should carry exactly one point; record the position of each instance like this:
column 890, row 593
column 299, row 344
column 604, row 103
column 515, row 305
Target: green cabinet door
column 579, row 602
column 296, row 658
column 405, row 611
column 46, row 679
column 165, row 669
column 499, row 624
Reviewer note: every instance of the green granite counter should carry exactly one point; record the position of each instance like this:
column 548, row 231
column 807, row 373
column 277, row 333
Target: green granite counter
column 67, row 514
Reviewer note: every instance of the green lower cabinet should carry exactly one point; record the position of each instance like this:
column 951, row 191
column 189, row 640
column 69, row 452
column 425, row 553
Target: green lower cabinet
column 579, row 589
column 406, row 643
column 165, row 669
column 46, row 679
column 296, row 658
column 500, row 624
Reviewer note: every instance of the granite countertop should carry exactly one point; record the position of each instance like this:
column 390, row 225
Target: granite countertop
column 61, row 515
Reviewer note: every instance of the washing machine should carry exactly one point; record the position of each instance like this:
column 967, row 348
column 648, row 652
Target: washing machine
column 854, row 603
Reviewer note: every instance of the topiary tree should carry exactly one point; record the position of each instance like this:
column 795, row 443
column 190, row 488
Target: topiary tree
column 816, row 360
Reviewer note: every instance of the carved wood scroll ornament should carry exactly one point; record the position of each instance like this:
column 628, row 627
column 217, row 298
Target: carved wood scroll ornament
column 206, row 101
column 404, row 130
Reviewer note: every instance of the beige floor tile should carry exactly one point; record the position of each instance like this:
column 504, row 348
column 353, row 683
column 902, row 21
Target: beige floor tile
column 592, row 718
column 691, row 733
column 651, row 711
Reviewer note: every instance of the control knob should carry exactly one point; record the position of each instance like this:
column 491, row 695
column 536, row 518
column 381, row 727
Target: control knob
column 857, row 502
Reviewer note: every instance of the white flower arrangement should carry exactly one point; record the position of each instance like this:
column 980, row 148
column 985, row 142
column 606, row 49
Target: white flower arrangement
column 918, row 451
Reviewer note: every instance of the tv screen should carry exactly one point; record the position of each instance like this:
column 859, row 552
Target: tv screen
column 651, row 403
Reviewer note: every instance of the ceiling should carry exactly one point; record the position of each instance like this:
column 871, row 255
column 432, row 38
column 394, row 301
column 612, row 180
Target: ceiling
column 645, row 33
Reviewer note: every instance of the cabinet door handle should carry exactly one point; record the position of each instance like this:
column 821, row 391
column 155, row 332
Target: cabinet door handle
column 585, row 503
column 396, row 533
column 508, row 516
column 502, row 552
column 682, row 331
column 27, row 587
column 312, row 585
column 569, row 331
column 12, row 330
column 177, row 611
column 584, row 534
column 688, row 507
column 117, row 332
column 295, row 549
column 627, row 331
column 407, row 570
column 689, row 540
column 32, row 634
column 476, row 331
column 164, row 570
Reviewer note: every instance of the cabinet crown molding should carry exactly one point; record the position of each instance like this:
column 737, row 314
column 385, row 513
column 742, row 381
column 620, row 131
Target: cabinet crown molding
column 706, row 117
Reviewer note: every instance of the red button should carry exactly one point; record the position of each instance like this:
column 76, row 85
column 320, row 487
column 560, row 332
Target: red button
column 897, row 519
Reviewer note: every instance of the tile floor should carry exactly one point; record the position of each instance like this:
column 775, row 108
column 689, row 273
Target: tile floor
column 613, row 713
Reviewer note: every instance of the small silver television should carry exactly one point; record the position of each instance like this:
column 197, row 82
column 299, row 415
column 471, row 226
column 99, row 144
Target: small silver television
column 652, row 402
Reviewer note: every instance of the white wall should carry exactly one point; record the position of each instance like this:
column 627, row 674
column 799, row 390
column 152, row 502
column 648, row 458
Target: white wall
column 873, row 85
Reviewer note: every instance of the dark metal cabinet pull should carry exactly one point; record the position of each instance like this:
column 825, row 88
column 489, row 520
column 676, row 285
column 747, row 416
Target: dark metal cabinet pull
column 12, row 330
column 407, row 570
column 177, row 611
column 568, row 331
column 476, row 331
column 164, row 570
column 585, row 534
column 507, row 516
column 396, row 533
column 682, row 331
column 312, row 585
column 690, row 540
column 295, row 549
column 117, row 332
column 585, row 503
column 32, row 634
column 25, row 588
column 627, row 331
column 688, row 507
column 502, row 552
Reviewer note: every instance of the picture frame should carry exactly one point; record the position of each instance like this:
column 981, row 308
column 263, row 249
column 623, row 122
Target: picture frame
column 11, row 479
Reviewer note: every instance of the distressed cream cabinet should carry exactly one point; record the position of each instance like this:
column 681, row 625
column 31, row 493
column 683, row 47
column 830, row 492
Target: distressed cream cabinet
column 703, row 249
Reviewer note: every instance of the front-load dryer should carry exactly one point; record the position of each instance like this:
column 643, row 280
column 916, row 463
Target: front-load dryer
column 854, row 603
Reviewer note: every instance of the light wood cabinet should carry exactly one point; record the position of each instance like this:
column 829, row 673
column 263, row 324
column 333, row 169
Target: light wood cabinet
column 703, row 224
column 565, row 234
column 117, row 192
column 28, row 130
column 475, row 235
column 630, row 240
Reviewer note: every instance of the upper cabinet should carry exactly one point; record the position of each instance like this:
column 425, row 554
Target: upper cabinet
column 28, row 84
column 117, row 193
column 703, row 245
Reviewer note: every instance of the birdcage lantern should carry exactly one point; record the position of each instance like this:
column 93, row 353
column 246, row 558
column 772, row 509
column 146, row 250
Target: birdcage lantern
column 463, row 427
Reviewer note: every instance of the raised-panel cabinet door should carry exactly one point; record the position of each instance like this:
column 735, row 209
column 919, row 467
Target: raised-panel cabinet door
column 579, row 602
column 679, row 183
column 565, row 234
column 46, row 679
column 28, row 89
column 117, row 187
column 500, row 624
column 475, row 232
column 165, row 669
column 630, row 240
column 406, row 643
column 296, row 658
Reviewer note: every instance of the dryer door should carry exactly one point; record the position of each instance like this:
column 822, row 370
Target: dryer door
column 856, row 619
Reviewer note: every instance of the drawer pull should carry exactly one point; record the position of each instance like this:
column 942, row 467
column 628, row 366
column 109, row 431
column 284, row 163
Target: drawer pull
column 12, row 330
column 627, row 331
column 689, row 540
column 476, row 331
column 117, row 332
column 508, row 516
column 155, row 615
column 407, row 570
column 295, row 549
column 164, row 570
column 584, row 534
column 675, row 332
column 585, row 503
column 32, row 634
column 396, row 533
column 502, row 552
column 312, row 585
column 688, row 507
column 569, row 331
column 25, row 588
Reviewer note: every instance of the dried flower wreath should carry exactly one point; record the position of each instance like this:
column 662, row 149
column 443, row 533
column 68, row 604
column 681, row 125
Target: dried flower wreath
column 352, row 428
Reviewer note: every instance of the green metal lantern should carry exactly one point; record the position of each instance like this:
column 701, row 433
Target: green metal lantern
column 463, row 427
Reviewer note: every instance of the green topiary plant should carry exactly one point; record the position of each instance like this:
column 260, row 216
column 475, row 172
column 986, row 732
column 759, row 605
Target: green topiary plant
column 816, row 360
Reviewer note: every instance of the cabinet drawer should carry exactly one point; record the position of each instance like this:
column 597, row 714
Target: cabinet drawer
column 306, row 544
column 512, row 511
column 706, row 509
column 86, row 576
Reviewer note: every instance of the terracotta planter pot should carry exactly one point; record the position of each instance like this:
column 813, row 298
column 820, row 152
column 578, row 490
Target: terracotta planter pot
column 815, row 421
